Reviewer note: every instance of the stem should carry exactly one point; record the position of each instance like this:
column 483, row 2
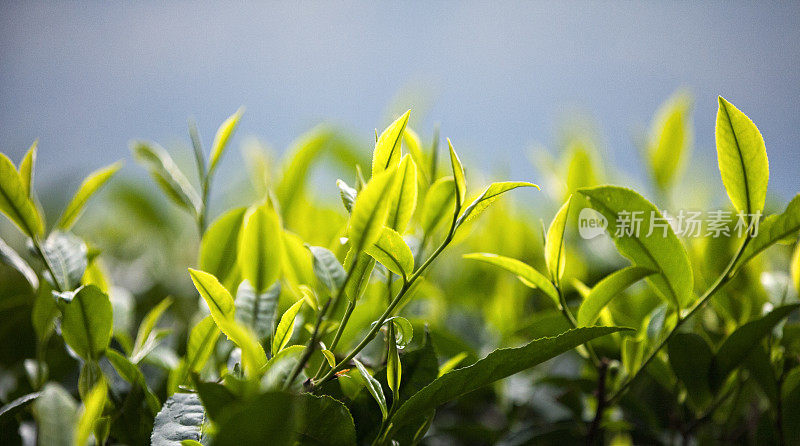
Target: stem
column 595, row 431
column 574, row 323
column 312, row 343
column 351, row 305
column 38, row 246
column 723, row 279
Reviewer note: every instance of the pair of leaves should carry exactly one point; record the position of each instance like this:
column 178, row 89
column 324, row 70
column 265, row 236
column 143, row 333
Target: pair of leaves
column 15, row 199
column 167, row 175
column 658, row 250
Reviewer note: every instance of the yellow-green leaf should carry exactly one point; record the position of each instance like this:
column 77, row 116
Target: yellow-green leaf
column 87, row 322
column 773, row 229
column 394, row 368
column 438, row 203
column 167, row 175
column 670, row 139
column 15, row 202
column 392, row 252
column 219, row 247
column 261, row 247
column 796, row 268
column 554, row 252
column 149, row 323
column 414, row 145
column 370, row 211
column 329, row 357
column 403, row 199
column 742, row 159
column 387, row 149
column 489, row 196
column 91, row 412
column 26, row 168
column 90, row 185
column 219, row 299
column 285, row 327
column 605, row 290
column 253, row 356
column 524, row 272
column 221, row 139
column 360, row 266
column 458, row 175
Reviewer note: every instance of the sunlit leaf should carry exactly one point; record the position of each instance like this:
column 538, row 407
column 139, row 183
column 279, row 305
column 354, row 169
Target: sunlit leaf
column 87, row 322
column 374, row 387
column 15, row 201
column 387, row 149
column 438, row 204
column 670, row 139
column 489, row 196
column 221, row 139
column 605, row 290
column 458, row 175
column 261, row 247
column 524, row 272
column 651, row 243
column 370, row 211
column 403, row 198
column 773, row 229
column 394, row 368
column 285, row 329
column 742, row 159
column 92, row 410
column 148, row 324
column 27, row 168
column 452, row 363
column 219, row 247
column 89, row 187
column 391, row 251
column 167, row 175
column 12, row 259
column 348, row 195
column 554, row 251
column 361, row 266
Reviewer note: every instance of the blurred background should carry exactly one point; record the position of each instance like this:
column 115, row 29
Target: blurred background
column 85, row 78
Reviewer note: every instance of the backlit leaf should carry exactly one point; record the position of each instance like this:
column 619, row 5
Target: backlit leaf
column 370, row 211
column 27, row 167
column 387, row 149
column 773, row 229
column 261, row 247
column 438, row 203
column 219, row 248
column 218, row 299
column 92, row 410
column 605, row 290
column 89, row 187
column 374, row 387
column 554, row 251
column 221, row 139
column 285, row 329
column 361, row 265
column 742, row 159
column 489, row 196
column 167, row 175
column 15, row 201
column 524, row 272
column 670, row 139
column 391, row 251
column 403, row 198
column 458, row 175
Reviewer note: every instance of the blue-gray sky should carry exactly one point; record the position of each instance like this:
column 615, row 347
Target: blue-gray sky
column 85, row 78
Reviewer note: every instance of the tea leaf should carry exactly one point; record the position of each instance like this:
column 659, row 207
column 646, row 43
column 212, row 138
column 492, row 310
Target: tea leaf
column 221, row 139
column 414, row 145
column 361, row 266
column 26, row 168
column 658, row 250
column 370, row 211
column 261, row 247
column 56, row 413
column 327, row 268
column 670, row 139
column 773, row 229
column 92, row 410
column 131, row 373
column 374, row 387
column 15, row 201
column 742, row 159
column 392, row 252
column 253, row 356
column 690, row 359
column 387, row 149
column 257, row 311
column 524, row 272
column 348, row 195
column 452, row 363
column 324, row 421
column 497, row 365
column 219, row 299
column 394, row 368
column 66, row 255
column 255, row 422
column 90, row 185
column 796, row 268
column 87, row 322
column 202, row 339
column 148, row 324
column 285, row 327
column 12, row 259
column 605, row 290
column 219, row 247
column 403, row 198
column 438, row 203
column 167, row 175
column 554, row 252
column 458, row 175
column 735, row 349
column 489, row 196
column 181, row 418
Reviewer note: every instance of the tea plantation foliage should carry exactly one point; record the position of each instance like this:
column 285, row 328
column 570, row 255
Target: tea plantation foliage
column 422, row 308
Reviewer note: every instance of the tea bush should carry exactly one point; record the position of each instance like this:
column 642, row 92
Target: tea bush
column 373, row 320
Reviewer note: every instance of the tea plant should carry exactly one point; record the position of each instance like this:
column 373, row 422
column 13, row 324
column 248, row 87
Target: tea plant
column 319, row 325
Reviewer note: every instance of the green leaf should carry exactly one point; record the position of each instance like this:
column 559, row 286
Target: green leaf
column 87, row 322
column 191, row 443
column 26, row 169
column 18, row 403
column 285, row 327
column 197, row 147
column 651, row 250
column 219, row 248
column 56, row 413
column 361, row 265
column 374, row 387
column 327, row 268
column 605, row 290
column 256, row 422
column 148, row 324
column 221, row 139
column 438, row 204
column 167, row 175
column 403, row 198
column 391, row 251
column 670, row 139
column 219, row 300
column 15, row 201
column 742, row 159
column 735, row 349
column 261, row 247
column 90, row 185
column 394, row 368
column 524, row 272
column 796, row 268
column 181, row 418
column 554, row 252
column 254, row 358
column 348, row 195
column 67, row 256
column 130, row 372
column 324, row 420
column 280, row 366
column 216, row 398
column 257, row 311
column 370, row 211
column 414, row 145
column 202, row 339
column 404, row 331
column 12, row 259
column 330, row 358
column 452, row 363
column 92, row 410
column 772, row 230
column 387, row 149
column 497, row 365
column 690, row 359
column 489, row 196
column 458, row 175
